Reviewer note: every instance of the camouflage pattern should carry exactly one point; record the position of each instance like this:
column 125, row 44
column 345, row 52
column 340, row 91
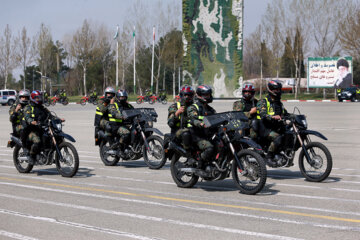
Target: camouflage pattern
column 101, row 115
column 175, row 122
column 240, row 106
column 195, row 120
column 263, row 111
column 29, row 114
column 213, row 44
column 16, row 117
column 272, row 136
column 115, row 110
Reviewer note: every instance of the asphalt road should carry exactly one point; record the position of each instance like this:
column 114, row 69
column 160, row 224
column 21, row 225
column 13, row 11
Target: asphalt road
column 130, row 201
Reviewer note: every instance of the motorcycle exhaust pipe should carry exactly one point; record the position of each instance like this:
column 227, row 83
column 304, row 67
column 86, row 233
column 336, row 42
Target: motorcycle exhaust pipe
column 16, row 140
column 111, row 152
column 188, row 170
column 177, row 148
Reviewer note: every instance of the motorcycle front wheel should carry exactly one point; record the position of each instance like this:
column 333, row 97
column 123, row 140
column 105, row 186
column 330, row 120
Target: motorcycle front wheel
column 182, row 179
column 164, row 101
column 155, row 156
column 106, row 158
column 69, row 164
column 320, row 164
column 47, row 103
column 83, row 102
column 21, row 165
column 65, row 102
column 253, row 177
column 139, row 101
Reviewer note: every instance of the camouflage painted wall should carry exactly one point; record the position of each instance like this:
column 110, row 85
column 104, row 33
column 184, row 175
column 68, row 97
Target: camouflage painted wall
column 213, row 40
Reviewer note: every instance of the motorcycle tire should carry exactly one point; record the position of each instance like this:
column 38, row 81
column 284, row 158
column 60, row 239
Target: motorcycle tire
column 158, row 159
column 69, row 165
column 83, row 102
column 104, row 147
column 47, row 103
column 22, row 167
column 164, row 101
column 65, row 102
column 53, row 103
column 139, row 101
column 182, row 179
column 95, row 102
column 152, row 101
column 252, row 180
column 320, row 155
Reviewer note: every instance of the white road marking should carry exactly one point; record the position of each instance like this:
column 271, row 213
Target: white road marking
column 15, row 235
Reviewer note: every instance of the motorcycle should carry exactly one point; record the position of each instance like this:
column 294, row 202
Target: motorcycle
column 315, row 161
column 247, row 167
column 63, row 100
column 90, row 99
column 143, row 142
column 147, row 98
column 54, row 149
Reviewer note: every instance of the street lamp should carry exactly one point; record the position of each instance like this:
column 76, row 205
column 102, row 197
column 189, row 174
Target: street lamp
column 41, row 79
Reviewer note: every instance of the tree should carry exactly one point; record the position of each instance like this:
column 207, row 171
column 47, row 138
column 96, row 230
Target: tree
column 7, row 54
column 287, row 68
column 44, row 48
column 82, row 46
column 25, row 52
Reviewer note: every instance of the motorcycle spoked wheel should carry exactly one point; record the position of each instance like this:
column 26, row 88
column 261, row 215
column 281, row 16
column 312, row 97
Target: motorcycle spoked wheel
column 47, row 103
column 107, row 159
column 20, row 165
column 320, row 167
column 95, row 102
column 53, row 102
column 139, row 101
column 69, row 165
column 65, row 102
column 152, row 101
column 252, row 180
column 164, row 101
column 182, row 179
column 157, row 159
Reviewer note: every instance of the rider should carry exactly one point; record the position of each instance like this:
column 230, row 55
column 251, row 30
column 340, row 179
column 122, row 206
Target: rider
column 177, row 116
column 271, row 110
column 34, row 114
column 93, row 95
column 247, row 105
column 62, row 95
column 101, row 114
column 16, row 112
column 116, row 118
column 196, row 113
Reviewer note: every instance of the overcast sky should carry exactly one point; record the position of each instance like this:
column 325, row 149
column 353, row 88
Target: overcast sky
column 66, row 16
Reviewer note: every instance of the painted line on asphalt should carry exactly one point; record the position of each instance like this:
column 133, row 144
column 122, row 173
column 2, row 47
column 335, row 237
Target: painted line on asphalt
column 197, row 209
column 191, row 201
column 76, row 225
column 15, row 235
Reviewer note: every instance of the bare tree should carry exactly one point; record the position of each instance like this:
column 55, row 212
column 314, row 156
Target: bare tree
column 7, row 53
column 349, row 31
column 104, row 51
column 44, row 48
column 25, row 52
column 82, row 46
column 125, row 50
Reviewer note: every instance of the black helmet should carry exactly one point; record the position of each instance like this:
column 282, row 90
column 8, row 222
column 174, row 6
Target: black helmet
column 274, row 88
column 248, row 91
column 24, row 93
column 204, row 90
column 187, row 94
column 122, row 93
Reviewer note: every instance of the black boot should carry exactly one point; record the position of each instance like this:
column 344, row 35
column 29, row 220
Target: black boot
column 270, row 159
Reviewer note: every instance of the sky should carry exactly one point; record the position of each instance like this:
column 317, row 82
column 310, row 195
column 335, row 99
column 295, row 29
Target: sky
column 66, row 16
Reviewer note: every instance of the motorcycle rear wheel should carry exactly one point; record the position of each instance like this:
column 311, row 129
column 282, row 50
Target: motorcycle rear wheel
column 21, row 166
column 69, row 165
column 182, row 179
column 157, row 159
column 320, row 168
column 252, row 180
column 65, row 102
column 164, row 101
column 107, row 159
column 139, row 101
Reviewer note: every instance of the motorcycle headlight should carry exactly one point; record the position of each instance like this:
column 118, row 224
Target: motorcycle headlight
column 58, row 126
column 304, row 123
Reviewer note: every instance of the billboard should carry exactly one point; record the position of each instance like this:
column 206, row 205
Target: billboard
column 213, row 41
column 330, row 72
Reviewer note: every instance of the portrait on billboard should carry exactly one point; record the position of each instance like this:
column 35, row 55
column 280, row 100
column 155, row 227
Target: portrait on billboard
column 344, row 79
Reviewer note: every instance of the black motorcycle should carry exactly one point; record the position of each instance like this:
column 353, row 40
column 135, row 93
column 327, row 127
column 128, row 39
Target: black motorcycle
column 143, row 142
column 315, row 161
column 54, row 149
column 231, row 155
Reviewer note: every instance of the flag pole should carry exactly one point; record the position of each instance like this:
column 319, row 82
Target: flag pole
column 152, row 63
column 134, row 61
column 117, row 56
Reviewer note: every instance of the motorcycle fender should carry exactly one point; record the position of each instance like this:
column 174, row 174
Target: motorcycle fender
column 311, row 132
column 16, row 140
column 250, row 142
column 67, row 136
column 154, row 130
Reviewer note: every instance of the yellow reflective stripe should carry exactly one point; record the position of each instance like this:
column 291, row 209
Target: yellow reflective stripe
column 111, row 118
column 271, row 113
column 98, row 111
column 178, row 104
